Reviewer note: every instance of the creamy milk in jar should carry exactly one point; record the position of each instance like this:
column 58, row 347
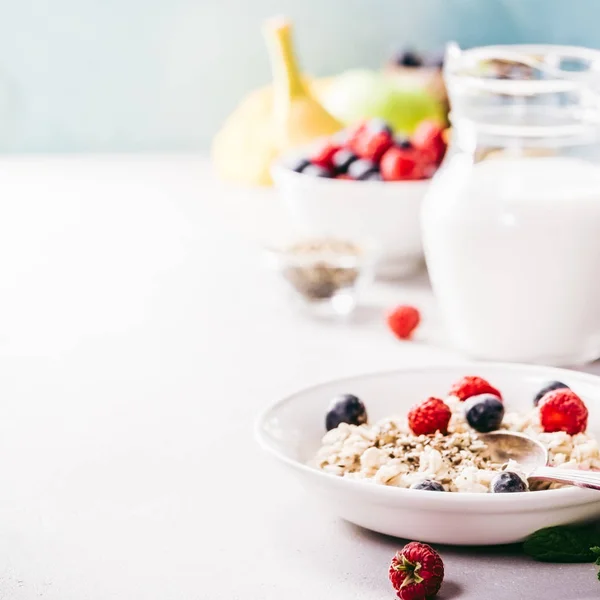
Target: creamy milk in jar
column 512, row 236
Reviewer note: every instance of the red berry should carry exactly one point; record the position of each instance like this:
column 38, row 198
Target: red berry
column 372, row 146
column 398, row 164
column 428, row 137
column 416, row 572
column 563, row 410
column 472, row 386
column 429, row 416
column 403, row 320
column 322, row 156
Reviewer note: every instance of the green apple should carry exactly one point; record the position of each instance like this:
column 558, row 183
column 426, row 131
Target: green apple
column 360, row 94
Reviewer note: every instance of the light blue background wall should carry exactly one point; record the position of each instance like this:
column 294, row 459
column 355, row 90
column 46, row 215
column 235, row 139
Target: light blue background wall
column 148, row 75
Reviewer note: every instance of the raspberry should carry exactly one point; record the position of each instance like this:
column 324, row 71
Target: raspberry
column 372, row 145
column 416, row 572
column 398, row 164
column 563, row 410
column 472, row 386
column 429, row 138
column 323, row 155
column 429, row 416
column 403, row 320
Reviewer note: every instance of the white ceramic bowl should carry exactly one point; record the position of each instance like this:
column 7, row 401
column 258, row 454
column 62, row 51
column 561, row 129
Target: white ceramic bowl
column 384, row 212
column 291, row 431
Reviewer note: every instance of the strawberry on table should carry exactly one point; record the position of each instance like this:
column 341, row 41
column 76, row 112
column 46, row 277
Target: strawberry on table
column 429, row 416
column 472, row 386
column 416, row 572
column 563, row 410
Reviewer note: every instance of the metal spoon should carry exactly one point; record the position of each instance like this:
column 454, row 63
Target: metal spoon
column 533, row 459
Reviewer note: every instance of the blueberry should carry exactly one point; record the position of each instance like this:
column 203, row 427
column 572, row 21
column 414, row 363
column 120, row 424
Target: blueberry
column 316, row 171
column 408, row 58
column 359, row 169
column 484, row 412
column 299, row 164
column 429, row 485
column 342, row 159
column 549, row 387
column 507, row 482
column 402, row 141
column 375, row 126
column 345, row 409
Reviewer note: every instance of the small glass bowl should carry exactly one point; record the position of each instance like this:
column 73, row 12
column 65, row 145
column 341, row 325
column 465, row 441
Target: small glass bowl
column 325, row 275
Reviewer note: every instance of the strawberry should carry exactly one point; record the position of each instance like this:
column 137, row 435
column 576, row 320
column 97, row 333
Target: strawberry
column 416, row 572
column 472, row 386
column 403, row 320
column 323, row 154
column 563, row 410
column 429, row 138
column 429, row 416
column 398, row 164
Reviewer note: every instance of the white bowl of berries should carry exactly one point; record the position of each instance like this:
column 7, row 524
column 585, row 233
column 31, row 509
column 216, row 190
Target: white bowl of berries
column 402, row 453
column 365, row 184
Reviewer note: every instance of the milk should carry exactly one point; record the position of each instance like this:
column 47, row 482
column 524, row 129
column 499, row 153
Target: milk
column 513, row 251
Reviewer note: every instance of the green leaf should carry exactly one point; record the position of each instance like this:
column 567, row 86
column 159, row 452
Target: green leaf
column 563, row 544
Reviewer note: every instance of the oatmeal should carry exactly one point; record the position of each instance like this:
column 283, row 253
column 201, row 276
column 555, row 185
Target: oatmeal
column 388, row 452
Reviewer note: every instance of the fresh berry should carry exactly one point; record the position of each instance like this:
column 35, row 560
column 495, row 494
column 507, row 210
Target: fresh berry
column 342, row 159
column 429, row 416
column 484, row 412
column 299, row 164
column 323, row 156
column 403, row 320
column 316, row 171
column 563, row 410
column 408, row 58
column 345, row 409
column 372, row 146
column 472, row 386
column 416, row 572
column 401, row 141
column 359, row 169
column 549, row 387
column 429, row 485
column 429, row 138
column 398, row 164
column 507, row 482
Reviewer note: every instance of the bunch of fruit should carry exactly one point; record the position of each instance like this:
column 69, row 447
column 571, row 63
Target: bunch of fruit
column 371, row 152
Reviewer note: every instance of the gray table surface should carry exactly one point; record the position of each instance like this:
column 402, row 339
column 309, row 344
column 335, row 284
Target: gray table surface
column 140, row 339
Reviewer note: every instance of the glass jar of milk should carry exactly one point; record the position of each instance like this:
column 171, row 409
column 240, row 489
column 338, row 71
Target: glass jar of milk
column 511, row 223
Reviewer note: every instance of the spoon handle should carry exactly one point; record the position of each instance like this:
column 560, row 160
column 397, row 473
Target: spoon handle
column 585, row 479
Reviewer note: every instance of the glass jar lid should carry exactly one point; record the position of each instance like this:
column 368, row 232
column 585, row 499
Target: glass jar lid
column 536, row 91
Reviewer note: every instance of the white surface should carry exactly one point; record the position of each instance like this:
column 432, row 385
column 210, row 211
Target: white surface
column 139, row 340
column 513, row 253
column 384, row 212
column 292, row 429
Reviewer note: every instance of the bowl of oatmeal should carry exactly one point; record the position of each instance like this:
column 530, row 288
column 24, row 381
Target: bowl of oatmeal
column 404, row 453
